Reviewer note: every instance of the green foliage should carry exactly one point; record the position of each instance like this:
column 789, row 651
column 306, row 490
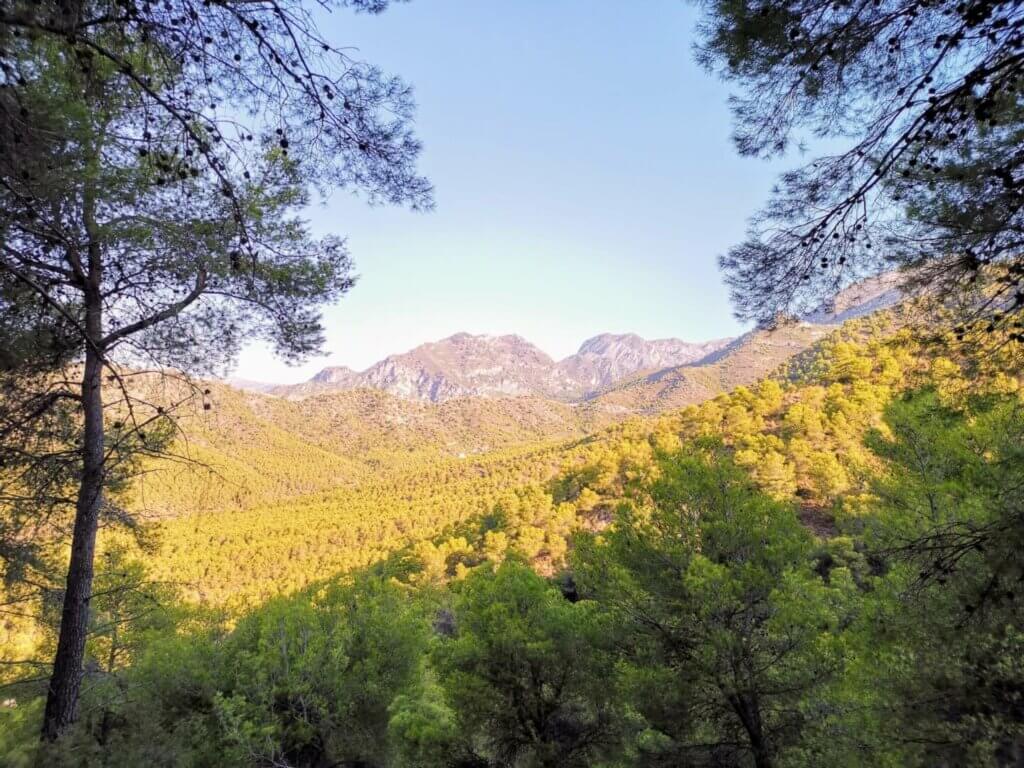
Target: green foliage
column 526, row 672
column 948, row 515
column 314, row 680
column 729, row 628
column 301, row 682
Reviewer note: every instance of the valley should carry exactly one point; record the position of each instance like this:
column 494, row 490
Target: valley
column 284, row 491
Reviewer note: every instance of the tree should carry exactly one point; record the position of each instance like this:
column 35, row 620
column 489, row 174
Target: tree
column 152, row 161
column 948, row 521
column 727, row 629
column 928, row 93
column 526, row 672
column 312, row 684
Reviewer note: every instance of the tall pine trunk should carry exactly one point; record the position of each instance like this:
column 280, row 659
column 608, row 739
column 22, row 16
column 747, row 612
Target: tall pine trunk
column 66, row 679
column 748, row 710
column 62, row 699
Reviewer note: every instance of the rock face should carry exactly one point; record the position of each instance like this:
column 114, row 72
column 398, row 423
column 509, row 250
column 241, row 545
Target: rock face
column 749, row 357
column 460, row 366
column 608, row 358
column 861, row 298
column 465, row 365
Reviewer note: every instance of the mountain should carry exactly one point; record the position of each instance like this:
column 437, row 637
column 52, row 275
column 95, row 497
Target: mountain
column 608, row 358
column 615, row 372
column 338, row 375
column 743, row 361
column 462, row 365
column 248, row 385
column 749, row 357
column 467, row 365
column 861, row 298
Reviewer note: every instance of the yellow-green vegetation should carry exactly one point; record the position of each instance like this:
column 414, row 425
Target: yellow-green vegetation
column 818, row 569
column 248, row 449
column 799, row 434
column 245, row 556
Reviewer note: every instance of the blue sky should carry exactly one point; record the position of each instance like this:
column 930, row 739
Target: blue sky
column 585, row 181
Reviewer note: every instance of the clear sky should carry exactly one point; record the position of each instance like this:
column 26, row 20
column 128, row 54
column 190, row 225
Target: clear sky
column 585, row 181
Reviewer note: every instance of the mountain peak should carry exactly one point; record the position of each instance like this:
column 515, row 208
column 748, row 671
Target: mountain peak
column 601, row 342
column 334, row 374
column 462, row 338
column 609, row 357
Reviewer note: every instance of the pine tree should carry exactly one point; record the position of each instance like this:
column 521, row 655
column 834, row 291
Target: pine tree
column 924, row 99
column 153, row 158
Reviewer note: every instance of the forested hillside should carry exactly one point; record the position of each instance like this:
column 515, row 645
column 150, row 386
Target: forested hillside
column 813, row 478
column 283, row 494
column 238, row 448
column 292, row 492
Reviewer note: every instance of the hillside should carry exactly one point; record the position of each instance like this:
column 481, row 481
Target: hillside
column 750, row 357
column 253, row 448
column 250, row 448
column 284, row 542
column 743, row 361
column 800, row 434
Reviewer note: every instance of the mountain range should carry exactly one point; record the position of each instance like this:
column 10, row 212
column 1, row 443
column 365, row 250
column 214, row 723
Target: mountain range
column 467, row 365
column 618, row 370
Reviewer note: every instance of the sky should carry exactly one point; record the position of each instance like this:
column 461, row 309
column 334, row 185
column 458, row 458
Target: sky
column 585, row 182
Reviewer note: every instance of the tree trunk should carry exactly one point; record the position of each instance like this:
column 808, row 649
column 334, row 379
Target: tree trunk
column 66, row 679
column 749, row 712
column 62, row 699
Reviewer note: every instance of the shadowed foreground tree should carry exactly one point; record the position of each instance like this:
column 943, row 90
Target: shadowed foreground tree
column 926, row 97
column 727, row 632
column 152, row 160
column 949, row 519
column 527, row 673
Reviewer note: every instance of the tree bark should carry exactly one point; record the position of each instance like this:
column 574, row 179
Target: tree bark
column 66, row 679
column 748, row 710
column 62, row 699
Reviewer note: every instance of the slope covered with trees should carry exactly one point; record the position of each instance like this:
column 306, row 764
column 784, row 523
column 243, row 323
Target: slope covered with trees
column 819, row 569
column 247, row 449
column 800, row 435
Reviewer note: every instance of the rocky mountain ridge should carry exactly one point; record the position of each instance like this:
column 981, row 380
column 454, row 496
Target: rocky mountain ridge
column 467, row 365
column 750, row 356
column 611, row 369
